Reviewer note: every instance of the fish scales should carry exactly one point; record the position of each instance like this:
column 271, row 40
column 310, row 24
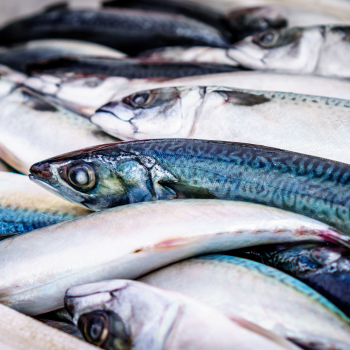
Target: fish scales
column 181, row 168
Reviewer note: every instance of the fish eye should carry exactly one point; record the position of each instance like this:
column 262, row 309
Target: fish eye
column 95, row 327
column 267, row 39
column 140, row 99
column 82, row 176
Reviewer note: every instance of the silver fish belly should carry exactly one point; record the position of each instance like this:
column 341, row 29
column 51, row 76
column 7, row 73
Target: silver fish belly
column 112, row 244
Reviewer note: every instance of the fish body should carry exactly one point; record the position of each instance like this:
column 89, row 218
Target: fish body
column 324, row 268
column 318, row 50
column 150, row 170
column 19, row 56
column 130, row 31
column 25, row 207
column 19, row 332
column 132, row 68
column 282, row 304
column 317, row 126
column 113, row 244
column 32, row 128
column 63, row 326
column 134, row 315
column 85, row 93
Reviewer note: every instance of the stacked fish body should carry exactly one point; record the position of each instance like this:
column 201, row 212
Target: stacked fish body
column 234, row 128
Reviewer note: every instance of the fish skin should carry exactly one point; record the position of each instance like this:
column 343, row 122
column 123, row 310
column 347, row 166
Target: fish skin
column 289, row 50
column 132, row 68
column 152, row 318
column 180, row 168
column 40, row 129
column 63, row 327
column 324, row 268
column 19, row 332
column 19, row 56
column 25, row 207
column 112, row 244
column 129, row 31
column 85, row 93
column 4, row 166
column 283, row 305
column 313, row 125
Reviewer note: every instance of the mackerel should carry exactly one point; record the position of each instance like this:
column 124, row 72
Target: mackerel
column 139, row 171
column 38, row 267
column 260, row 294
column 124, row 314
column 313, row 125
column 85, row 93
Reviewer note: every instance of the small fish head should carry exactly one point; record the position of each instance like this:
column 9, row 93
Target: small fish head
column 123, row 313
column 158, row 113
column 103, row 177
column 289, row 49
column 252, row 20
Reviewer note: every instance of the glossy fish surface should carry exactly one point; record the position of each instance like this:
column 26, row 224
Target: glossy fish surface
column 130, row 31
column 134, row 315
column 132, row 68
column 19, row 56
column 323, row 267
column 85, row 93
column 140, row 171
column 19, row 332
column 25, row 207
column 282, row 304
column 112, row 244
column 32, row 128
column 321, row 50
column 317, row 126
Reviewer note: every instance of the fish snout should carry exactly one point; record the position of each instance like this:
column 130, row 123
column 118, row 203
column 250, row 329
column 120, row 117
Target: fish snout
column 41, row 171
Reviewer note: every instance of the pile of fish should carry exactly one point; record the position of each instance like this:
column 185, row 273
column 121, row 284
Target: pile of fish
column 175, row 176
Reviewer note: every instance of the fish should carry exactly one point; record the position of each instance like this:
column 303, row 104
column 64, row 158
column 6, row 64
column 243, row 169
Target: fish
column 85, row 93
column 25, row 206
column 318, row 50
column 113, row 244
column 18, row 332
column 323, row 267
column 124, row 314
column 139, row 171
column 32, row 128
column 259, row 294
column 132, row 68
column 19, row 56
column 198, row 12
column 312, row 125
column 244, row 22
column 127, row 30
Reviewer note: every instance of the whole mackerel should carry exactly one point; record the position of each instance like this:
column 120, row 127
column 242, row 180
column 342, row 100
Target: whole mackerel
column 260, row 294
column 138, row 171
column 313, row 125
column 39, row 266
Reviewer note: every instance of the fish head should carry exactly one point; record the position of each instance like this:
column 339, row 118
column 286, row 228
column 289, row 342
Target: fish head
column 119, row 314
column 252, row 20
column 157, row 113
column 294, row 50
column 103, row 177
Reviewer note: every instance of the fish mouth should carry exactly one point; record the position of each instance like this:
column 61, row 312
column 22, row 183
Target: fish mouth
column 113, row 125
column 41, row 171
